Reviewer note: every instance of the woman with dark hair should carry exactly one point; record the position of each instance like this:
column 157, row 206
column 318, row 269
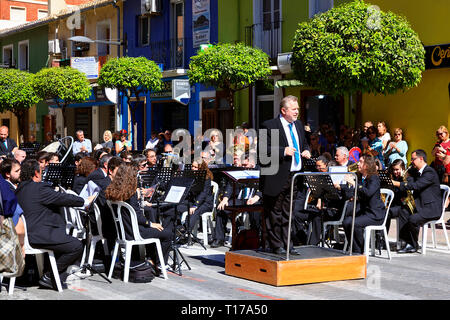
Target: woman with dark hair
column 124, row 188
column 370, row 208
column 86, row 166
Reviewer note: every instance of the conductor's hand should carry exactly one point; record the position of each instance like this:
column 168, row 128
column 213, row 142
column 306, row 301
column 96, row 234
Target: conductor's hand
column 289, row 151
column 306, row 154
column 222, row 204
column 156, row 226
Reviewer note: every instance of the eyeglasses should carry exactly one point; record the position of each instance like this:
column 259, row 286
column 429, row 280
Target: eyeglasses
column 440, row 133
column 414, row 159
column 143, row 164
column 397, row 134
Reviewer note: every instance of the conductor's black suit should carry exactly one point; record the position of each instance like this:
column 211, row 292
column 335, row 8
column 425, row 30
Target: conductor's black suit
column 276, row 188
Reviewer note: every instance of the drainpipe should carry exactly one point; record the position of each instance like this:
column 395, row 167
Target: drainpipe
column 119, row 109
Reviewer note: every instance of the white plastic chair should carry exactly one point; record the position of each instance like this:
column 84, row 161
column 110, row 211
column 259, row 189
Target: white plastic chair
column 39, row 259
column 207, row 217
column 369, row 231
column 97, row 238
column 74, row 223
column 335, row 223
column 433, row 223
column 128, row 244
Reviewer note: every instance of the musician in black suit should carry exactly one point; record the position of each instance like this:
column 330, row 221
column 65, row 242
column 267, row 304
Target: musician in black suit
column 45, row 225
column 7, row 145
column 424, row 182
column 292, row 145
column 370, row 209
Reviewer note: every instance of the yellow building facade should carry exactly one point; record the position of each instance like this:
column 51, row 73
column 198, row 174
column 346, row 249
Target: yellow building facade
column 420, row 110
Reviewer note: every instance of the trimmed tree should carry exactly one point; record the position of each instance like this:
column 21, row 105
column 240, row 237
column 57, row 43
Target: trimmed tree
column 65, row 85
column 17, row 94
column 358, row 48
column 230, row 67
column 132, row 77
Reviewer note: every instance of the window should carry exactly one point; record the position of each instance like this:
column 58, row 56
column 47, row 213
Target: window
column 42, row 13
column 8, row 56
column 144, row 31
column 17, row 14
column 319, row 6
column 103, row 33
column 23, row 55
column 265, row 33
column 79, row 49
column 177, row 50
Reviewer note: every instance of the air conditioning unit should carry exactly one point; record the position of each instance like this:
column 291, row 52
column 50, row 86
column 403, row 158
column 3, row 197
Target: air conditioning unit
column 151, row 6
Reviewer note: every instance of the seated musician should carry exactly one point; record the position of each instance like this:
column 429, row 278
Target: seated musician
column 86, row 166
column 425, row 184
column 341, row 157
column 370, row 208
column 123, row 187
column 203, row 202
column 244, row 196
column 399, row 206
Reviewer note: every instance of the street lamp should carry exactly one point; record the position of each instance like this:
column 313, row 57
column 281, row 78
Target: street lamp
column 89, row 40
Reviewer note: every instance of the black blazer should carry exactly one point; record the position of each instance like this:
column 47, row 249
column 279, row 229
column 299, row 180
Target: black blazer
column 272, row 185
column 7, row 151
column 40, row 204
column 79, row 183
column 426, row 192
column 205, row 198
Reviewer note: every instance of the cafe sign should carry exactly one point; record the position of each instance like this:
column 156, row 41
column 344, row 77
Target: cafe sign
column 437, row 56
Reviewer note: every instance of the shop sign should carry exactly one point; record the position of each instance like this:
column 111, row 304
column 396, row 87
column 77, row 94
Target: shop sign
column 437, row 56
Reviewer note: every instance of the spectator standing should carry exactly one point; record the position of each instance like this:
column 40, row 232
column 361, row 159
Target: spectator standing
column 440, row 150
column 151, row 144
column 383, row 134
column 7, row 145
column 123, row 144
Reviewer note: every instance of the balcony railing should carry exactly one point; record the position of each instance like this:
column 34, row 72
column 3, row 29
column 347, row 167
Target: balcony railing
column 171, row 52
column 266, row 36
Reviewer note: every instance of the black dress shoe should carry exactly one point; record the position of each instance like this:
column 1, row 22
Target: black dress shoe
column 46, row 282
column 408, row 249
column 279, row 251
column 217, row 243
column 294, row 252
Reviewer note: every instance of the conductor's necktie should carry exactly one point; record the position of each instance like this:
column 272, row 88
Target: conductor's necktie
column 294, row 141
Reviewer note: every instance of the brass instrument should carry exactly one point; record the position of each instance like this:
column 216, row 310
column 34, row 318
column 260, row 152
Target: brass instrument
column 353, row 167
column 408, row 201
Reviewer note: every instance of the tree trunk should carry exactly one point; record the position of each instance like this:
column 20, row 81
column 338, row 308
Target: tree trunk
column 230, row 99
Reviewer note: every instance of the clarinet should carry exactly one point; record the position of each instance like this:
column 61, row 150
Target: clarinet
column 141, row 195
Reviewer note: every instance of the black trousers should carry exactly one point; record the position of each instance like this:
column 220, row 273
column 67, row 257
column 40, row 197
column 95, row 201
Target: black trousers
column 222, row 217
column 411, row 224
column 66, row 254
column 361, row 222
column 165, row 237
column 276, row 214
column 396, row 212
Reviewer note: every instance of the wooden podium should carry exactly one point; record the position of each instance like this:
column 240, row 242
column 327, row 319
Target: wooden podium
column 314, row 264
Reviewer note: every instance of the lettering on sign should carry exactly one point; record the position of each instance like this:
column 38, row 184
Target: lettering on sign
column 437, row 56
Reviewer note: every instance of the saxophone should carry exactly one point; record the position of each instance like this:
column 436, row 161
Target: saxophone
column 408, row 201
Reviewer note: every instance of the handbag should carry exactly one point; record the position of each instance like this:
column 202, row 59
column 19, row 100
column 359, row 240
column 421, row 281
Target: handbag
column 12, row 262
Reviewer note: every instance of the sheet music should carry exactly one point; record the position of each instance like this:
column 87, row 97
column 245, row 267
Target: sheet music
column 338, row 178
column 175, row 194
column 244, row 174
column 89, row 189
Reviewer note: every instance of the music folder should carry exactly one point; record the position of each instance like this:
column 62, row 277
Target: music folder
column 89, row 189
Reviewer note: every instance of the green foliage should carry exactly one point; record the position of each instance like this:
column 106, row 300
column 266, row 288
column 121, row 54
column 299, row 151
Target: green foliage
column 64, row 84
column 356, row 47
column 130, row 73
column 229, row 66
column 16, row 92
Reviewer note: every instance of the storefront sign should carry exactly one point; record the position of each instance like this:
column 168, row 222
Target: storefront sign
column 181, row 90
column 166, row 91
column 437, row 56
column 87, row 65
column 201, row 21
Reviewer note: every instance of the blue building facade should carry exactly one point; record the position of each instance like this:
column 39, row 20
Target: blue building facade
column 168, row 32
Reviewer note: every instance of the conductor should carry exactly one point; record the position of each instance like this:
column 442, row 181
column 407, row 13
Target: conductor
column 276, row 188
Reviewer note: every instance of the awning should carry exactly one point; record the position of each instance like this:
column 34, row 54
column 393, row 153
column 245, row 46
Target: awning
column 288, row 83
column 97, row 98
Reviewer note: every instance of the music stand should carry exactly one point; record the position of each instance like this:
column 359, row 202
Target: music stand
column 177, row 192
column 385, row 180
column 309, row 165
column 60, row 175
column 197, row 187
column 322, row 186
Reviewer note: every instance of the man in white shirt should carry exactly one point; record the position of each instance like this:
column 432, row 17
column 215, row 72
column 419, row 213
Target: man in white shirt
column 82, row 144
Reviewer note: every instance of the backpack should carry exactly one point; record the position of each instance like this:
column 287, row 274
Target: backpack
column 140, row 272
